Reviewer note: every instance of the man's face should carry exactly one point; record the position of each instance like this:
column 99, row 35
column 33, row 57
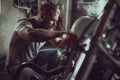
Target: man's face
column 51, row 19
column 56, row 15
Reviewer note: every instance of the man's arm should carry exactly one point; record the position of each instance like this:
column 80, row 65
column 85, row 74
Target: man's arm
column 36, row 35
column 42, row 34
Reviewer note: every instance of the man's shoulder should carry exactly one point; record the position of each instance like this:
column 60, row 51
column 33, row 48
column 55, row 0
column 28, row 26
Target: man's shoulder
column 23, row 23
column 26, row 19
column 26, row 22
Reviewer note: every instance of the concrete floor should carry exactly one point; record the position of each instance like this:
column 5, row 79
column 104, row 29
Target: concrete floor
column 3, row 74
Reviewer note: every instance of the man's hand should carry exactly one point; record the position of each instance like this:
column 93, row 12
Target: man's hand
column 58, row 42
column 70, row 39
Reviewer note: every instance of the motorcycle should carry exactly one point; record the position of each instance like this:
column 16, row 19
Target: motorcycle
column 80, row 53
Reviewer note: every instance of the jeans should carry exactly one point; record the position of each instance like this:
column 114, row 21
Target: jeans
column 50, row 56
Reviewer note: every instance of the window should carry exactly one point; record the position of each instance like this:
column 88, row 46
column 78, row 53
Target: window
column 25, row 4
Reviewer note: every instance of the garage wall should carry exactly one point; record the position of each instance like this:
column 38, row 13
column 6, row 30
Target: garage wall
column 8, row 17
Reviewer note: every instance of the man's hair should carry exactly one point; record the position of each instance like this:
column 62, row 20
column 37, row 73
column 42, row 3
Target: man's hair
column 49, row 8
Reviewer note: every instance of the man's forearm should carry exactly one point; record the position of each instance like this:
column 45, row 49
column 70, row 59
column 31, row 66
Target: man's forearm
column 43, row 35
